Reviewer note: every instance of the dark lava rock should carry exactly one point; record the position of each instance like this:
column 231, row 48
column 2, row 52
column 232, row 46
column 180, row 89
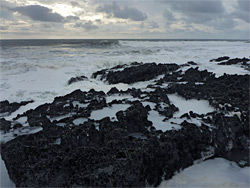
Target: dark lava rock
column 191, row 63
column 134, row 118
column 113, row 90
column 5, row 125
column 234, row 61
column 102, row 153
column 5, row 106
column 220, row 59
column 244, row 62
column 194, row 75
column 17, row 125
column 77, row 79
column 136, row 73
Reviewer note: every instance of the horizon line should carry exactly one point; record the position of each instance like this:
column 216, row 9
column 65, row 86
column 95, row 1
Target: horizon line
column 118, row 39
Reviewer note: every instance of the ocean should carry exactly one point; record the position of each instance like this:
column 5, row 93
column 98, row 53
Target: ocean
column 39, row 70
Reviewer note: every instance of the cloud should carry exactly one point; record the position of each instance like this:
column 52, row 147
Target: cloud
column 223, row 24
column 114, row 10
column 244, row 5
column 39, row 13
column 169, row 15
column 149, row 25
column 74, row 4
column 3, row 28
column 242, row 10
column 87, row 26
column 194, row 11
column 72, row 18
column 206, row 6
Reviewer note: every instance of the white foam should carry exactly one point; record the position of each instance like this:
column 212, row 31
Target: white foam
column 80, row 105
column 42, row 72
column 108, row 111
column 79, row 121
column 120, row 97
column 158, row 122
column 197, row 106
column 217, row 172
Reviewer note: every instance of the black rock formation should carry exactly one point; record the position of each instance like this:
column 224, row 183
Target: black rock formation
column 135, row 73
column 77, row 79
column 6, row 107
column 128, row 151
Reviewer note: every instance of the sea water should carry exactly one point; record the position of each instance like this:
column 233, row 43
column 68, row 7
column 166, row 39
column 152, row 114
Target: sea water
column 39, row 70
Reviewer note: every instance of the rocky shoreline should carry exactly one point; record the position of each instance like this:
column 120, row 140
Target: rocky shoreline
column 74, row 149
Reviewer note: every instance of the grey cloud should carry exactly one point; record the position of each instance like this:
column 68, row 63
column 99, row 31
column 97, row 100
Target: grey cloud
column 87, row 26
column 74, row 4
column 169, row 15
column 242, row 11
column 72, row 18
column 3, row 28
column 39, row 13
column 153, row 25
column 5, row 14
column 149, row 25
column 244, row 5
column 206, row 6
column 142, row 25
column 195, row 11
column 224, row 24
column 115, row 10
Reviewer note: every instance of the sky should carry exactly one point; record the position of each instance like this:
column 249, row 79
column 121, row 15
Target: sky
column 123, row 19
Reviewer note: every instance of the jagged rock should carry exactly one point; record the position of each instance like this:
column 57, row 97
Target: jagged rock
column 191, row 63
column 77, row 79
column 194, row 75
column 5, row 106
column 17, row 125
column 136, row 73
column 220, row 59
column 234, row 61
column 134, row 118
column 106, row 153
column 5, row 125
column 112, row 91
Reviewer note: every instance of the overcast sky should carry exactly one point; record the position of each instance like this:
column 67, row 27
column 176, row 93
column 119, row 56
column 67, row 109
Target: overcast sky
column 167, row 19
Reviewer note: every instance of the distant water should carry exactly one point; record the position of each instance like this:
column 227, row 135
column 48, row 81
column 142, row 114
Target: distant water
column 39, row 69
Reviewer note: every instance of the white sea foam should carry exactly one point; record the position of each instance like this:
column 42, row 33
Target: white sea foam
column 42, row 72
column 108, row 112
column 217, row 172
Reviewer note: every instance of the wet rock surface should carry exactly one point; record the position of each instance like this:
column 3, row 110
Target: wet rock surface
column 74, row 149
column 77, row 79
column 7, row 107
column 244, row 62
column 137, row 72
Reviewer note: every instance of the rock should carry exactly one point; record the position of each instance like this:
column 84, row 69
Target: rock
column 77, row 79
column 112, row 91
column 194, row 75
column 17, row 125
column 109, row 152
column 134, row 118
column 5, row 106
column 136, row 73
column 191, row 63
column 220, row 59
column 5, row 125
column 234, row 61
